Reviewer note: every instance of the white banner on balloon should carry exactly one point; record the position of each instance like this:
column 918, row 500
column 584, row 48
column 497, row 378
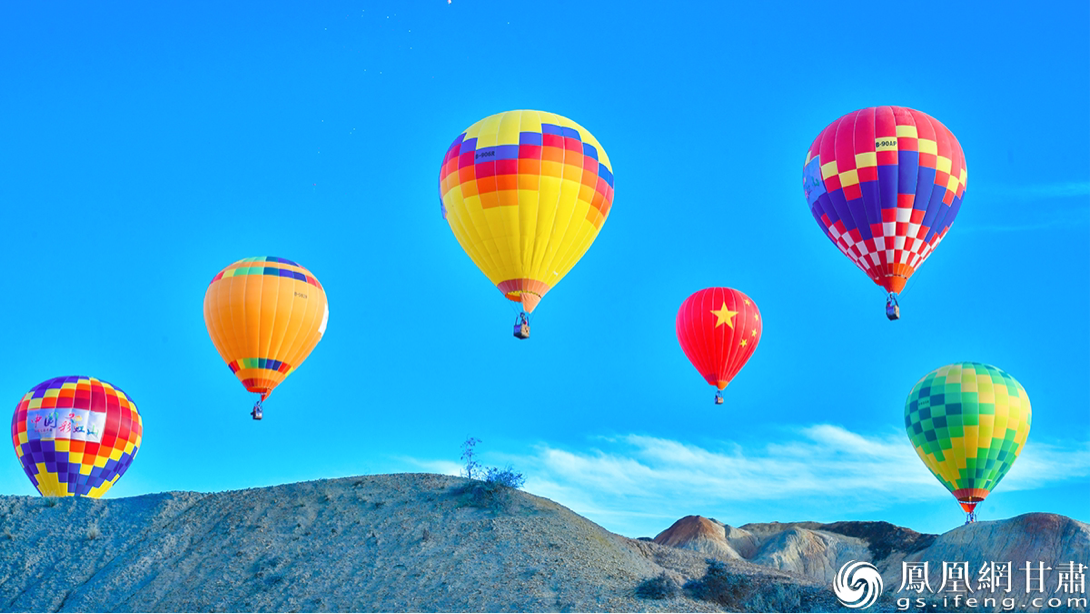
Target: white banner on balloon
column 74, row 424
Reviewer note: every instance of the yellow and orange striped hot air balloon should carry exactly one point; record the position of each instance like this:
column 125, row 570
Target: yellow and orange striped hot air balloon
column 525, row 193
column 265, row 315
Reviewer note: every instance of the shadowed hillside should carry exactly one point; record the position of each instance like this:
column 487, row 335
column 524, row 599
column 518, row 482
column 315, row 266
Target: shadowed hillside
column 407, row 542
column 421, row 542
column 818, row 550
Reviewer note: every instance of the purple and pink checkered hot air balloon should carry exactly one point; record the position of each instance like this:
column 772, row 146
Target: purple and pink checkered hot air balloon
column 885, row 184
column 75, row 436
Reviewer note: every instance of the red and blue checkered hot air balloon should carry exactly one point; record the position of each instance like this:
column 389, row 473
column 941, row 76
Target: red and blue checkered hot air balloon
column 885, row 184
column 75, row 436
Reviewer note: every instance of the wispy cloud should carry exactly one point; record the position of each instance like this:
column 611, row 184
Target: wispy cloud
column 1052, row 206
column 1044, row 464
column 1038, row 192
column 822, row 461
column 431, row 466
column 635, row 482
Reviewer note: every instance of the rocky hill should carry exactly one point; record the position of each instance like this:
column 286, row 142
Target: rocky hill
column 802, row 547
column 1036, row 538
column 421, row 542
column 819, row 550
column 408, row 542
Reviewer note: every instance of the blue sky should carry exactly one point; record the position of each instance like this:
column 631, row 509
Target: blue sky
column 146, row 147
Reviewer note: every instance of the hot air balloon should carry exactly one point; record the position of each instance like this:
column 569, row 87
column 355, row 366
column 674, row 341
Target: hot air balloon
column 968, row 422
column 75, row 436
column 885, row 184
column 525, row 193
column 265, row 315
column 718, row 328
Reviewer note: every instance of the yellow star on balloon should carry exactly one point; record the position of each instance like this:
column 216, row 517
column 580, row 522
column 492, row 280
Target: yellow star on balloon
column 754, row 333
column 724, row 315
column 743, row 343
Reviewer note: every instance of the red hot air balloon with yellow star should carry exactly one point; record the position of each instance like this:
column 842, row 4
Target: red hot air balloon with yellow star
column 718, row 328
column 885, row 184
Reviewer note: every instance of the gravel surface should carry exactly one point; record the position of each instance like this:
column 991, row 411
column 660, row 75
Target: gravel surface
column 403, row 542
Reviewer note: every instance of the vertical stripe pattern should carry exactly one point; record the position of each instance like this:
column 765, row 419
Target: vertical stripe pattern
column 265, row 315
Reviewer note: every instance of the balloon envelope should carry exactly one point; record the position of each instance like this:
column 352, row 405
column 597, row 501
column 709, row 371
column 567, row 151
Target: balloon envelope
column 968, row 423
column 265, row 315
column 718, row 329
column 525, row 193
column 75, row 436
column 885, row 184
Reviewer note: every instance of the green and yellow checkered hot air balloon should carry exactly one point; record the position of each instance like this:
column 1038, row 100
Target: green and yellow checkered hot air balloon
column 968, row 422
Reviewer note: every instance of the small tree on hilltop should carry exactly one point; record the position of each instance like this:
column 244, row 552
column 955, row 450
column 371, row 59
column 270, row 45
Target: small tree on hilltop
column 504, row 477
column 472, row 468
column 491, row 486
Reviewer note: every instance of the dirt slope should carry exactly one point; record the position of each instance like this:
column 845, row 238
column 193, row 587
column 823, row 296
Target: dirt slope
column 406, row 542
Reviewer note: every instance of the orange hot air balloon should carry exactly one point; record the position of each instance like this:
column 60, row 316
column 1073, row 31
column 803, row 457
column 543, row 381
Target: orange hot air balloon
column 265, row 315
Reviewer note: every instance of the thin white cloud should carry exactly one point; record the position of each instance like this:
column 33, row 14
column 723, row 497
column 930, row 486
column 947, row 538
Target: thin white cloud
column 823, row 459
column 432, row 466
column 1038, row 216
column 635, row 482
column 1042, row 463
column 1044, row 191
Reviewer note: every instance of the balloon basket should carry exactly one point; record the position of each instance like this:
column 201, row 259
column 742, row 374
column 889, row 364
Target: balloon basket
column 893, row 310
column 522, row 327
